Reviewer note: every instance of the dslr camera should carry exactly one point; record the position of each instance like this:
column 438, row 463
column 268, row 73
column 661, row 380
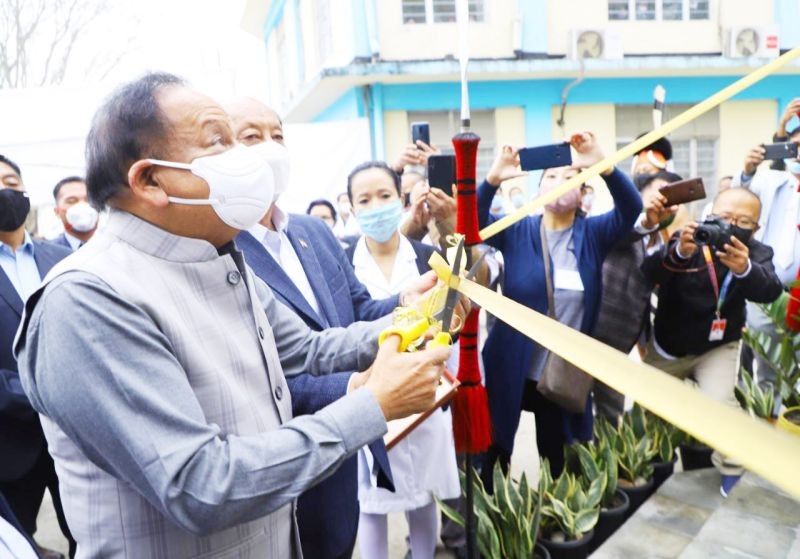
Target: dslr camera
column 715, row 232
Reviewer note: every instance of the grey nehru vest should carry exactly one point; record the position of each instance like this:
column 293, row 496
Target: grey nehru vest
column 220, row 335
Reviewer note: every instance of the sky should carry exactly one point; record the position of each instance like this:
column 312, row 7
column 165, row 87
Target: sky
column 43, row 129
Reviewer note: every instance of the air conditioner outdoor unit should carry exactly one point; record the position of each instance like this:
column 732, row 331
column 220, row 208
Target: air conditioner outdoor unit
column 605, row 44
column 757, row 41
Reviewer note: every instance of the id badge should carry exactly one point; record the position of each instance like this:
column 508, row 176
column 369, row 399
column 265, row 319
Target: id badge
column 717, row 330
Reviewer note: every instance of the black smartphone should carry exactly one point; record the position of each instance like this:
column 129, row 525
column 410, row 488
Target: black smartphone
column 442, row 172
column 784, row 150
column 420, row 131
column 545, row 157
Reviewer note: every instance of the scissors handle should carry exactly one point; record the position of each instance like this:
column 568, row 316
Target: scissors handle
column 442, row 339
column 407, row 334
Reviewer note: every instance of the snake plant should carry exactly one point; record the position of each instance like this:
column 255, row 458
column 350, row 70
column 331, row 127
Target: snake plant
column 568, row 510
column 634, row 453
column 757, row 401
column 508, row 521
column 595, row 460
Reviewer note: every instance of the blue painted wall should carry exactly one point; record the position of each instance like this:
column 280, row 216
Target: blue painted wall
column 349, row 106
column 533, row 15
column 787, row 15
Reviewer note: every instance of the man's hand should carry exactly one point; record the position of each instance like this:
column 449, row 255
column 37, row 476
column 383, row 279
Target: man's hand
column 419, row 287
column 414, row 155
column 405, row 383
column 588, row 150
column 754, row 158
column 791, row 109
column 505, row 166
column 686, row 244
column 656, row 210
column 736, row 256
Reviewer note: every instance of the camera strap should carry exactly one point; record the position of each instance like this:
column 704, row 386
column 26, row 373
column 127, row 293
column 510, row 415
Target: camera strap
column 719, row 293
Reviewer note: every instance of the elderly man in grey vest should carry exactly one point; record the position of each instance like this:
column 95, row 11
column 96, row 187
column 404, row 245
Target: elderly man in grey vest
column 169, row 418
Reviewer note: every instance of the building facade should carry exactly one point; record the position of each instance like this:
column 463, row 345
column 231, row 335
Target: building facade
column 539, row 69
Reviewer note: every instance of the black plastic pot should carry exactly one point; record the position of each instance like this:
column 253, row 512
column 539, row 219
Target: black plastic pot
column 637, row 495
column 540, row 552
column 661, row 472
column 695, row 456
column 573, row 549
column 610, row 520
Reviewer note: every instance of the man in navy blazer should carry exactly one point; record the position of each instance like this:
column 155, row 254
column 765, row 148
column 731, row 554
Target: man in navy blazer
column 77, row 216
column 26, row 468
column 305, row 266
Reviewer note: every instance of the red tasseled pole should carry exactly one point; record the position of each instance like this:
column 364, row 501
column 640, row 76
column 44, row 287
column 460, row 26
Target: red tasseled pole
column 471, row 426
column 792, row 308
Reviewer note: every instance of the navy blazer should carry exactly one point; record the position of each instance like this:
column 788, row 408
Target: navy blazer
column 507, row 353
column 328, row 512
column 21, row 437
column 61, row 240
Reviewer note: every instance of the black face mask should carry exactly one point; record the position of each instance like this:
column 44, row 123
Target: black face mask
column 14, row 208
column 742, row 234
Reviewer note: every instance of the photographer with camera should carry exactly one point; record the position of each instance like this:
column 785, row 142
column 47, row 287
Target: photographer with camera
column 705, row 274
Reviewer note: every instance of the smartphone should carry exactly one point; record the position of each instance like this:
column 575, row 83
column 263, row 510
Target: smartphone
column 683, row 191
column 784, row 150
column 420, row 131
column 545, row 157
column 442, row 172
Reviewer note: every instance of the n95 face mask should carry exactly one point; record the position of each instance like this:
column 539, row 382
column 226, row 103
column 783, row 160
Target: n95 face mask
column 82, row 217
column 278, row 158
column 241, row 185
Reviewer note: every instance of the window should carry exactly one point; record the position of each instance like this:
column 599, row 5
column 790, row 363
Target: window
column 694, row 146
column 446, row 124
column 440, row 11
column 324, row 31
column 650, row 10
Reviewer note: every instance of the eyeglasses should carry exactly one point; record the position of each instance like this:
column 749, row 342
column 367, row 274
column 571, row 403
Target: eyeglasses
column 741, row 221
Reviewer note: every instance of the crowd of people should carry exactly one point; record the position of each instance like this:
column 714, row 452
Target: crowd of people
column 200, row 374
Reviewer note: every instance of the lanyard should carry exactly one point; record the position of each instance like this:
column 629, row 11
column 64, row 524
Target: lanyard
column 712, row 273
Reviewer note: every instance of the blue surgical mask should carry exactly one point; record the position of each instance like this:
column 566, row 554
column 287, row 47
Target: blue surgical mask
column 381, row 223
column 793, row 166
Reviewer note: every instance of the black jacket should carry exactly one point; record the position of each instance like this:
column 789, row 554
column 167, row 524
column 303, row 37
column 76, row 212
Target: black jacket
column 686, row 300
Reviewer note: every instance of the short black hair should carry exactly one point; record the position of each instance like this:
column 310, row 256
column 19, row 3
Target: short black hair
column 321, row 202
column 373, row 165
column 7, row 161
column 126, row 128
column 62, row 182
column 643, row 181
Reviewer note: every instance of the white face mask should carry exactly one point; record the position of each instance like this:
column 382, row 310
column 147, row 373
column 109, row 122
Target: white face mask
column 278, row 158
column 240, row 185
column 82, row 217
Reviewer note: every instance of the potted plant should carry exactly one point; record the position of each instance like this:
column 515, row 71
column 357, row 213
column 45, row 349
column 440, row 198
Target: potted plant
column 664, row 440
column 781, row 354
column 634, row 460
column 569, row 513
column 757, row 401
column 597, row 461
column 507, row 521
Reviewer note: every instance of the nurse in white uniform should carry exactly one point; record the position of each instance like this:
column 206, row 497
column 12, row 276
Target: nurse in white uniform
column 424, row 463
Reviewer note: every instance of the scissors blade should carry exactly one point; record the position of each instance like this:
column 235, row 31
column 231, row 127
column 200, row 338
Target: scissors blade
column 452, row 294
column 474, row 270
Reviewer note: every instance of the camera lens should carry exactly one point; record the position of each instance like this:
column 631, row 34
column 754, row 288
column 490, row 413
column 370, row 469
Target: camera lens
column 702, row 236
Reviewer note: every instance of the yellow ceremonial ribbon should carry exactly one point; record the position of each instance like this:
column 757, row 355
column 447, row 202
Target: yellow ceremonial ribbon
column 638, row 145
column 758, row 446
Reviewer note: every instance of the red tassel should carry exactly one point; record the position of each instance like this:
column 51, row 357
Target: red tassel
column 793, row 307
column 471, row 426
column 466, row 148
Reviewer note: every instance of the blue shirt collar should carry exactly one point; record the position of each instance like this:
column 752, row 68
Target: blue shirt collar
column 27, row 246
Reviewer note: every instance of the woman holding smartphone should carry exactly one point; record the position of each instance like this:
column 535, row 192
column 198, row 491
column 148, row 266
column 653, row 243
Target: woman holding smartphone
column 424, row 462
column 577, row 246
